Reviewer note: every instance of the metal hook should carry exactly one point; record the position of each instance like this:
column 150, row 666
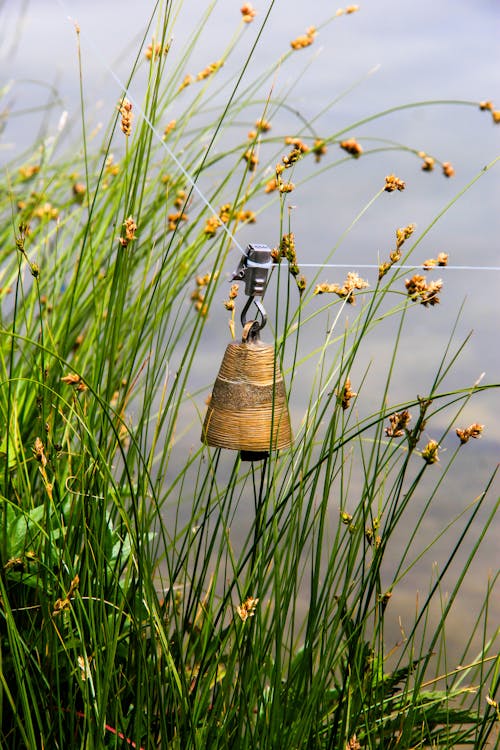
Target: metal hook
column 257, row 325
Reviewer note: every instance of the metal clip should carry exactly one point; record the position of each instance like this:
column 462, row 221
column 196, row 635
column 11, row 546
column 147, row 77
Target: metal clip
column 253, row 268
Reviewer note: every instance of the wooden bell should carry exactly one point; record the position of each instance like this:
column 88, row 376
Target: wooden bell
column 248, row 410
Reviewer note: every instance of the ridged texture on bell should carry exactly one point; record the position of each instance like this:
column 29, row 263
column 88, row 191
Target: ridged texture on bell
column 248, row 402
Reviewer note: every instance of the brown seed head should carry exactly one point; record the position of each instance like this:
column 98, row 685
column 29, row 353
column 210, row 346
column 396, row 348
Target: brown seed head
column 211, row 226
column 473, row 431
column 428, row 164
column 169, row 127
column 399, row 423
column 247, row 608
column 345, row 396
column 305, row 39
column 125, row 109
column 248, row 12
column 448, row 170
column 352, row 147
column 393, row 183
column 430, row 452
column 319, row 149
column 209, row 70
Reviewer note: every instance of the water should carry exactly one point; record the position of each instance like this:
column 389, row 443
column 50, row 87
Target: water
column 401, row 52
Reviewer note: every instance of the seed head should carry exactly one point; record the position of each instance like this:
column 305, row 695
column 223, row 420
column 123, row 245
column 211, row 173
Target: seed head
column 305, row 39
column 473, row 431
column 399, row 423
column 247, row 608
column 448, row 170
column 430, row 452
column 319, row 149
column 352, row 147
column 125, row 109
column 393, row 183
column 345, row 396
column 248, row 12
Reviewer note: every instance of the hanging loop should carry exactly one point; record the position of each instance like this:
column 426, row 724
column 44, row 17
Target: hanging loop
column 256, row 326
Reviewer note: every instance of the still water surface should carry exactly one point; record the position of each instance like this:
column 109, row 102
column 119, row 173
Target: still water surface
column 399, row 52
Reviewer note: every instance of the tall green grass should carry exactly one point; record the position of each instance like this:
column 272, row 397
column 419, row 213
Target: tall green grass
column 158, row 593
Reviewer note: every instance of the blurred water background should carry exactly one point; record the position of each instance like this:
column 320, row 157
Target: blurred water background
column 398, row 52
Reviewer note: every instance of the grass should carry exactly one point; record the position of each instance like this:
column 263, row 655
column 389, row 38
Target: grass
column 159, row 593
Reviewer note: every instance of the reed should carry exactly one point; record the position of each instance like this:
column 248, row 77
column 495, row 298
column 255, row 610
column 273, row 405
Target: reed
column 159, row 593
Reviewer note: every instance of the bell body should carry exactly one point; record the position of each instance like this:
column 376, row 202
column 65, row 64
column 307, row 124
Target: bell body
column 248, row 410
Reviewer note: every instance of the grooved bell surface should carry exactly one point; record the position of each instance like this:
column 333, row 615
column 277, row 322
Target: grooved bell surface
column 248, row 405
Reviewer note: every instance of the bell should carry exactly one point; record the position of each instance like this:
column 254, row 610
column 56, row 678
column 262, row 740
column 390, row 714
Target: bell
column 248, row 410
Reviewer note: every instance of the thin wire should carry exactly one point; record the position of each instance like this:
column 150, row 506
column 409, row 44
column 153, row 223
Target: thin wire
column 397, row 266
column 155, row 132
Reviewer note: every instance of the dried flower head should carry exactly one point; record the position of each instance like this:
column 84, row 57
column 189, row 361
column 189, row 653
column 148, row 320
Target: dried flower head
column 64, row 603
column 46, row 211
column 353, row 744
column 301, row 282
column 448, row 170
column 247, row 608
column 305, row 39
column 441, row 260
column 130, row 230
column 174, row 219
column 187, row 81
column 430, row 452
column 346, row 291
column 211, row 225
column 249, row 217
column 39, row 452
column 154, row 50
column 428, row 164
column 393, row 183
column 287, row 248
column 248, row 12
column 125, row 109
column 180, row 198
column 225, row 212
column 399, row 423
column 27, row 172
column 345, row 396
column 345, row 517
column 486, row 105
column 403, row 234
column 297, row 144
column 71, row 379
column 473, row 431
column 384, row 599
column 271, row 185
column 168, row 128
column 251, row 159
column 286, row 187
column 495, row 113
column 79, row 191
column 290, row 159
column 319, row 149
column 423, row 292
column 262, row 125
column 233, row 293
column 352, row 147
column 209, row 70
